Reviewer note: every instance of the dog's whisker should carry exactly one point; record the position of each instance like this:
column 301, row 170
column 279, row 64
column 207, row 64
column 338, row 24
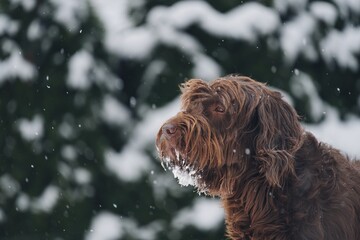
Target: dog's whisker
column 163, row 165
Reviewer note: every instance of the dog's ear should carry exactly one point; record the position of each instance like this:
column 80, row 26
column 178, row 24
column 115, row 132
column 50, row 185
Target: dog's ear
column 279, row 136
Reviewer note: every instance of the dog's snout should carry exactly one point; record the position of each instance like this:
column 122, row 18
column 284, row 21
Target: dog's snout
column 169, row 129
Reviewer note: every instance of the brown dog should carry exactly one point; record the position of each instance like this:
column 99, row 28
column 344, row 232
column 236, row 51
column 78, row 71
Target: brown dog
column 237, row 139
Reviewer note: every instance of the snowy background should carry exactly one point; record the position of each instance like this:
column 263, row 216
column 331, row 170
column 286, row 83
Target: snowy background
column 86, row 84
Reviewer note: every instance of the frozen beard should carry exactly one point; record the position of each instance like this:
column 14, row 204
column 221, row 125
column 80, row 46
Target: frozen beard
column 183, row 172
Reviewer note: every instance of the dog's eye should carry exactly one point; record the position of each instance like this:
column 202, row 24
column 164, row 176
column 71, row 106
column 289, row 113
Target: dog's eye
column 220, row 109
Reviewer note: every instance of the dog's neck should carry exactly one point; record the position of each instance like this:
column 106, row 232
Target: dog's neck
column 254, row 205
column 251, row 207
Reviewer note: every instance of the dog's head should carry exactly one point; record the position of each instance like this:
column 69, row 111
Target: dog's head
column 228, row 128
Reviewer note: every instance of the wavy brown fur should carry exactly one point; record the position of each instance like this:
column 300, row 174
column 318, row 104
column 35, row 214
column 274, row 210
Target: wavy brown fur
column 275, row 180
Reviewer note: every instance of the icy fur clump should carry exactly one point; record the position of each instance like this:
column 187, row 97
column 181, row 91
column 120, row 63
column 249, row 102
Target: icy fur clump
column 185, row 174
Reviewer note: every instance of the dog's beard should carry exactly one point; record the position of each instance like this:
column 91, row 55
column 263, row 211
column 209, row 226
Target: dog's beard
column 185, row 173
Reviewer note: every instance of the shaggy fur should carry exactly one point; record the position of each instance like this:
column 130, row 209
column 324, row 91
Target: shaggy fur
column 240, row 141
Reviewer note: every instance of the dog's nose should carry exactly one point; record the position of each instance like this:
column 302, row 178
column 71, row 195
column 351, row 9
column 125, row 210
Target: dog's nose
column 169, row 129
